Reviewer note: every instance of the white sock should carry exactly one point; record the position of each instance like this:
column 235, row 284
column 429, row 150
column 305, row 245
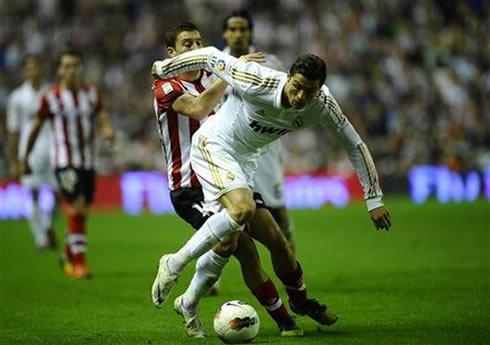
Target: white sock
column 211, row 232
column 208, row 270
column 36, row 226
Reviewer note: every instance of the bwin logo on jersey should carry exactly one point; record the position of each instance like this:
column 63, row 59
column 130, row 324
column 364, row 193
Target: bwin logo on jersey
column 268, row 130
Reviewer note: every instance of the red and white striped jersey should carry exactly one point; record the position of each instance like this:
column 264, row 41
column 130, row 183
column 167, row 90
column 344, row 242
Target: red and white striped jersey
column 72, row 116
column 175, row 129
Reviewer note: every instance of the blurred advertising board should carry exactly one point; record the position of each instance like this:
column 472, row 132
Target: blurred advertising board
column 137, row 191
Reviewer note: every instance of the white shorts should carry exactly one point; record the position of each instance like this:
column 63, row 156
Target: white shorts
column 219, row 171
column 42, row 173
column 269, row 177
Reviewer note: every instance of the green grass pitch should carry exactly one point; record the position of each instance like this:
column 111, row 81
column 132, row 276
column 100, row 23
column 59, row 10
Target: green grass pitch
column 424, row 282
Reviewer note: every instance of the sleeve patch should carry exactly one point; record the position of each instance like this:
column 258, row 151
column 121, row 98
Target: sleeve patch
column 220, row 65
column 167, row 88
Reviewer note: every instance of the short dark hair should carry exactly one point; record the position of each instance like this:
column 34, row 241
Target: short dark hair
column 241, row 14
column 68, row 51
column 172, row 33
column 311, row 66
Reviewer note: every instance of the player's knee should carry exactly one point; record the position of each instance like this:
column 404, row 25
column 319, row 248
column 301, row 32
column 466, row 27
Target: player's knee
column 242, row 211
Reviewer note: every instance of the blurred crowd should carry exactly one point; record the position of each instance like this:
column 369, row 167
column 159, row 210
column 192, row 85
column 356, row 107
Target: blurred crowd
column 413, row 76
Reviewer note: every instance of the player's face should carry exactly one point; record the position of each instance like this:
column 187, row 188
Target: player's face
column 186, row 41
column 237, row 34
column 299, row 90
column 32, row 69
column 70, row 70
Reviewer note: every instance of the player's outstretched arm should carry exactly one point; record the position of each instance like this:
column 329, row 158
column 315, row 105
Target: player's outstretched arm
column 198, row 107
column 360, row 157
column 241, row 75
column 362, row 161
column 188, row 61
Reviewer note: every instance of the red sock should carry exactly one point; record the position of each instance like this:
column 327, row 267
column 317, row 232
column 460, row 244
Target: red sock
column 295, row 288
column 266, row 293
column 76, row 244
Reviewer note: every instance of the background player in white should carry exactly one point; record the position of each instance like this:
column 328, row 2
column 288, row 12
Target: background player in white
column 267, row 104
column 21, row 111
column 269, row 177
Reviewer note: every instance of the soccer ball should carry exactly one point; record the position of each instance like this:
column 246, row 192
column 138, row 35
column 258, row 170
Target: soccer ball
column 236, row 322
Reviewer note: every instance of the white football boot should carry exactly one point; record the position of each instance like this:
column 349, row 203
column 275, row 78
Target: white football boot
column 191, row 319
column 164, row 282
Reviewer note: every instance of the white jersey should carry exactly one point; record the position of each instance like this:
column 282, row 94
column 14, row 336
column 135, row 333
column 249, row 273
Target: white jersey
column 271, row 61
column 23, row 104
column 246, row 124
column 269, row 177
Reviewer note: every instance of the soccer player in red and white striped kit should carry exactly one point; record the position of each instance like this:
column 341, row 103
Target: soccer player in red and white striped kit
column 74, row 110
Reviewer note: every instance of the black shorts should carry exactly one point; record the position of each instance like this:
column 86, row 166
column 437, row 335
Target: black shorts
column 75, row 182
column 188, row 204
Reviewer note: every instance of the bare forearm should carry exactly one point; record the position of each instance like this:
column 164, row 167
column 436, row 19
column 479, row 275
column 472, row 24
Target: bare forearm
column 198, row 107
column 211, row 97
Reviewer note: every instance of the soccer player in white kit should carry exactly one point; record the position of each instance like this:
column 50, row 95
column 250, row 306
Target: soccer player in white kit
column 181, row 104
column 22, row 108
column 269, row 177
column 266, row 104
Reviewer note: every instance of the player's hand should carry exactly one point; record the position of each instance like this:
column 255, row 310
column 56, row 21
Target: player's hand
column 26, row 168
column 253, row 57
column 381, row 218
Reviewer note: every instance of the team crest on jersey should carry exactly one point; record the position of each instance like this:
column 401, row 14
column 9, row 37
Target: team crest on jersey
column 167, row 88
column 230, row 176
column 298, row 122
column 220, row 65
